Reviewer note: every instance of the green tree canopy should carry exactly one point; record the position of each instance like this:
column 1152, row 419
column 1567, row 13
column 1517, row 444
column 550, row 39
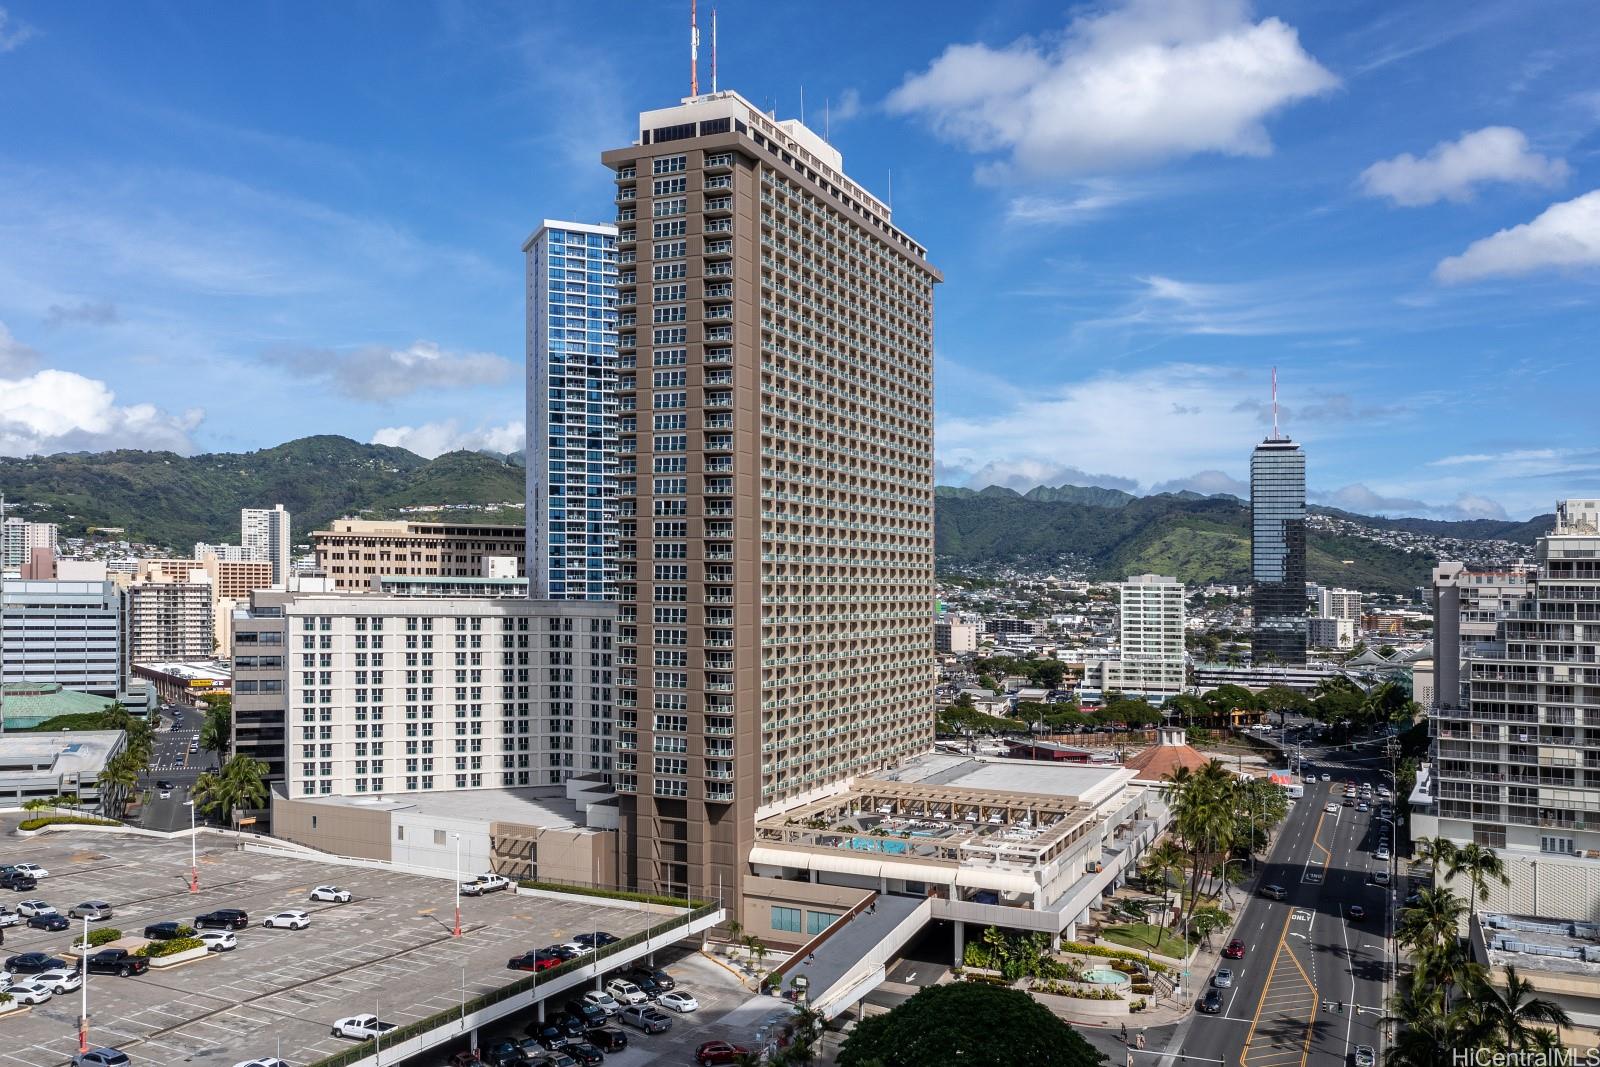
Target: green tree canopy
column 969, row 1023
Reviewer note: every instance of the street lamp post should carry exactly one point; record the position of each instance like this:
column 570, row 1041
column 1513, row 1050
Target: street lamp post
column 456, row 932
column 83, row 965
column 194, row 856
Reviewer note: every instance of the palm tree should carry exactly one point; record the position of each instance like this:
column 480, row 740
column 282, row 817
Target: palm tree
column 210, row 793
column 1479, row 864
column 246, row 781
column 1436, row 850
column 1202, row 805
column 116, row 782
column 1164, row 859
column 1510, row 1016
column 216, row 730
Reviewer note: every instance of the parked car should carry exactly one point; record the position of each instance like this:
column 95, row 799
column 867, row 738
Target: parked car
column 1211, row 1003
column 1274, row 892
column 361, row 1027
column 165, row 931
column 505, row 1054
column 34, row 963
column 265, row 1061
column 61, row 981
column 549, row 1036
column 1380, row 877
column 33, row 870
column 571, row 1024
column 466, row 1058
column 718, row 1052
column 559, row 1057
column 625, row 992
column 585, row 1054
column 569, row 950
column 331, row 893
column 534, row 960
column 1223, row 979
column 607, row 1039
column 34, row 907
column 598, row 939
column 220, row 940
column 118, row 961
column 602, row 1000
column 485, row 883
column 287, row 920
column 647, row 985
column 49, row 921
column 94, row 910
column 9, row 918
column 223, row 918
column 591, row 1013
column 1382, row 853
column 101, row 1057
column 661, row 978
column 642, row 1017
column 1235, row 950
column 679, row 1001
column 29, row 991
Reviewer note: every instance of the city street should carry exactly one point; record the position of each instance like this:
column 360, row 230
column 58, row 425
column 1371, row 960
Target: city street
column 1311, row 985
column 173, row 762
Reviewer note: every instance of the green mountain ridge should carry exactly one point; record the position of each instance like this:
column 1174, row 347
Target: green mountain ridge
column 173, row 500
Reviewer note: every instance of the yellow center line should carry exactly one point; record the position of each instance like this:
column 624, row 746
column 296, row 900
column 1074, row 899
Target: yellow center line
column 1271, row 975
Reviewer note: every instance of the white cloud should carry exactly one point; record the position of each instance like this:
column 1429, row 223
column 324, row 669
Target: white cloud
column 12, row 33
column 88, row 313
column 1093, row 199
column 1024, row 474
column 1136, row 84
column 376, row 372
column 1565, row 235
column 1452, row 169
column 436, row 438
column 58, row 411
column 1208, row 483
column 1364, row 500
column 15, row 357
column 847, row 107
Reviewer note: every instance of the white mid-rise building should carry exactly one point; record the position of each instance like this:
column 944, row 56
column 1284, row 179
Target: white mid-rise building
column 266, row 531
column 419, row 693
column 172, row 620
column 1152, row 631
column 956, row 635
column 69, row 632
column 230, row 553
column 1340, row 604
column 19, row 537
column 1325, row 632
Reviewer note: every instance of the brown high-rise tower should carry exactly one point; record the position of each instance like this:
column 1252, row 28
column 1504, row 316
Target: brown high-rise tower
column 776, row 373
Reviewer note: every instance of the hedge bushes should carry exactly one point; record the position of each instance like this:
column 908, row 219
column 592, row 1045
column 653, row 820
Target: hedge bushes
column 1112, row 954
column 609, row 894
column 156, row 949
column 103, row 936
column 57, row 820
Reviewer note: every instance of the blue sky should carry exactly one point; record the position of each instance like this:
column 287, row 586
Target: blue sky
column 225, row 226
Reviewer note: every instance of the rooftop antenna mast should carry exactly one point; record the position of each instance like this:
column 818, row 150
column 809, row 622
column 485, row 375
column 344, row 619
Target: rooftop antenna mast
column 713, row 51
column 694, row 52
column 1275, row 435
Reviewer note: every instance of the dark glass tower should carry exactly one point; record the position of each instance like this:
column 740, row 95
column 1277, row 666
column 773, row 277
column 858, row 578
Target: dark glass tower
column 1278, row 551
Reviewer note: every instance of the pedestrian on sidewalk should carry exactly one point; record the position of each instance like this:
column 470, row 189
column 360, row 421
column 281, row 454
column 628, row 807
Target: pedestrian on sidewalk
column 1124, row 1033
column 810, row 957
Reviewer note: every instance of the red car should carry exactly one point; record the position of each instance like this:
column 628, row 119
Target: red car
column 1235, row 950
column 541, row 960
column 718, row 1052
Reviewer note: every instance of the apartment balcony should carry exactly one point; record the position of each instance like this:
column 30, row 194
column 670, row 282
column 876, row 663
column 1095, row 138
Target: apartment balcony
column 627, row 194
column 719, row 487
column 628, row 256
column 719, row 598
column 626, row 174
column 719, row 355
column 719, row 289
column 719, row 400
column 719, row 270
column 719, row 792
column 722, row 205
column 719, row 333
column 719, row 510
column 719, row 529
column 724, row 181
column 719, row 442
column 719, row 552
column 719, row 377
column 627, row 237
column 719, row 617
column 722, row 161
column 719, row 641
column 719, row 226
column 719, row 248
column 719, row 727
column 719, row 661
column 720, row 312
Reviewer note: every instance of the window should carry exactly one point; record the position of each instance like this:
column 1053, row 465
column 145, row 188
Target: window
column 666, row 272
column 663, row 208
column 669, row 250
column 670, row 335
column 818, row 921
column 668, row 186
column 671, row 486
column 670, row 357
column 671, row 550
column 669, row 313
column 672, row 529
column 672, row 572
column 786, row 919
column 669, row 164
column 438, row 837
column 671, row 464
column 676, row 443
column 671, row 292
column 671, row 637
column 666, row 657
column 674, row 228
column 671, row 765
column 1493, row 836
column 670, row 617
column 680, row 421
column 672, row 723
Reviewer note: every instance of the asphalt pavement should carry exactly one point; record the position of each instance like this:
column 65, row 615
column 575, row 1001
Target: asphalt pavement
column 172, row 761
column 1312, row 984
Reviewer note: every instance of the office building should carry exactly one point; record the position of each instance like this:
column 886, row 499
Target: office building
column 185, row 682
column 1007, row 627
column 571, row 458
column 265, row 531
column 54, row 764
column 231, row 553
column 19, row 538
column 1339, row 604
column 1278, row 551
column 70, row 632
column 1517, row 767
column 1324, row 632
column 1151, row 665
column 1467, row 605
column 776, row 499
column 955, row 636
column 171, row 620
column 354, row 552
column 261, row 661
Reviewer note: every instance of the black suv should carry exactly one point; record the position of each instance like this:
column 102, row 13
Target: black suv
column 223, row 918
column 607, row 1039
column 1211, row 1004
column 591, row 1014
column 658, row 978
column 164, row 931
column 21, row 881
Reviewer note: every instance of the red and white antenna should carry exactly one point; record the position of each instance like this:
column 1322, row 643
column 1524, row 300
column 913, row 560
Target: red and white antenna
column 694, row 52
column 713, row 51
column 1275, row 435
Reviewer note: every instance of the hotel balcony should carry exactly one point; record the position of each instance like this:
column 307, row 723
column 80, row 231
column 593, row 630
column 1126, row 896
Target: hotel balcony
column 718, row 163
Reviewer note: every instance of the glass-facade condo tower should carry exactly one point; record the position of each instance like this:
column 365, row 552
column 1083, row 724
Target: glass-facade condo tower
column 572, row 411
column 1278, row 551
column 776, row 486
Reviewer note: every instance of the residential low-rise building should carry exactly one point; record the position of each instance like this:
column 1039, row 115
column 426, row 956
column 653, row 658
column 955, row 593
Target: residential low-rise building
column 955, row 635
column 353, row 552
column 1329, row 632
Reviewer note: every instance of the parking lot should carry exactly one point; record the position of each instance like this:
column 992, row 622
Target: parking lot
column 389, row 951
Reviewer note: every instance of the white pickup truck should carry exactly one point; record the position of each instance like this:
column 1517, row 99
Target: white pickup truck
column 485, row 883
